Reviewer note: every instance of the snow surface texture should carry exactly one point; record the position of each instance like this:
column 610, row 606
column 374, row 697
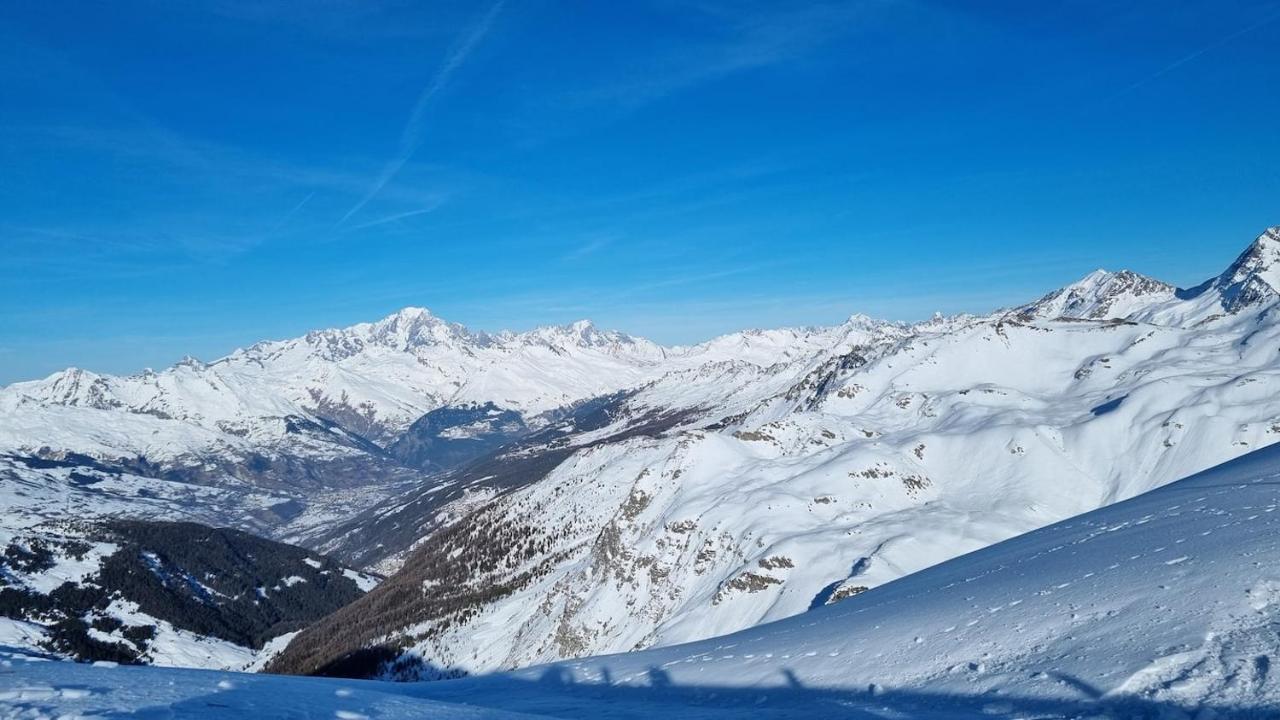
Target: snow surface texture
column 1163, row 606
column 803, row 483
column 34, row 688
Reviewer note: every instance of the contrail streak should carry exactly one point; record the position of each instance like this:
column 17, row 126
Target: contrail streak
column 1192, row 56
column 411, row 136
column 397, row 216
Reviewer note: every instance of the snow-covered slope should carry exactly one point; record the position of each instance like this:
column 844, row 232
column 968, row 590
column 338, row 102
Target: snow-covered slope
column 1101, row 295
column 36, row 688
column 1166, row 605
column 806, row 482
column 570, row 491
column 1162, row 606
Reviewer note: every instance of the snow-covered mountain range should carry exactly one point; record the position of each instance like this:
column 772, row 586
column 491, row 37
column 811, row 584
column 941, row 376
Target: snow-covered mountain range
column 1163, row 606
column 570, row 491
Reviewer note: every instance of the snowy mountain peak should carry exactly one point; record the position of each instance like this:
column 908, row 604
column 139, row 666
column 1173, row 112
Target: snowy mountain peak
column 404, row 330
column 1254, row 277
column 1102, row 295
column 410, row 313
column 1251, row 282
column 415, row 326
column 864, row 322
column 581, row 332
column 585, row 335
column 413, row 329
column 71, row 386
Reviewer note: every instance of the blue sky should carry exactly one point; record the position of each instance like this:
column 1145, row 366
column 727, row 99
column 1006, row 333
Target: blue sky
column 186, row 178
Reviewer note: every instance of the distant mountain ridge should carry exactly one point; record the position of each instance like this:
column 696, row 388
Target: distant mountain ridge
column 599, row 492
column 1252, row 281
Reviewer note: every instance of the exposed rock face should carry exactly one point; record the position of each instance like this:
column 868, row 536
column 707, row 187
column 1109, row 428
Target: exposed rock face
column 1101, row 295
column 1254, row 278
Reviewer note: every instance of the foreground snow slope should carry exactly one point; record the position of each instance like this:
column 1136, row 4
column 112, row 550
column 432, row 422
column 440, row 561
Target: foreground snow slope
column 1169, row 601
column 33, row 688
column 1163, row 606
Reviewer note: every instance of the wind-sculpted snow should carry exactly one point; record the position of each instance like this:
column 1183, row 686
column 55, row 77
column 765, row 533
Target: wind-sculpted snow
column 1162, row 606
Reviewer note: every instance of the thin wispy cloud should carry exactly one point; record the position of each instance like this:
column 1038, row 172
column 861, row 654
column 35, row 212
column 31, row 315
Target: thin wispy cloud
column 398, row 216
column 734, row 40
column 290, row 215
column 694, row 279
column 1189, row 57
column 587, row 249
column 411, row 136
column 623, row 161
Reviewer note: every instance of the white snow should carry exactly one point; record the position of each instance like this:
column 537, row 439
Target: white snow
column 34, row 690
column 1163, row 606
column 953, row 435
column 814, row 461
column 1171, row 598
column 21, row 634
column 363, row 581
column 66, row 568
column 175, row 647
